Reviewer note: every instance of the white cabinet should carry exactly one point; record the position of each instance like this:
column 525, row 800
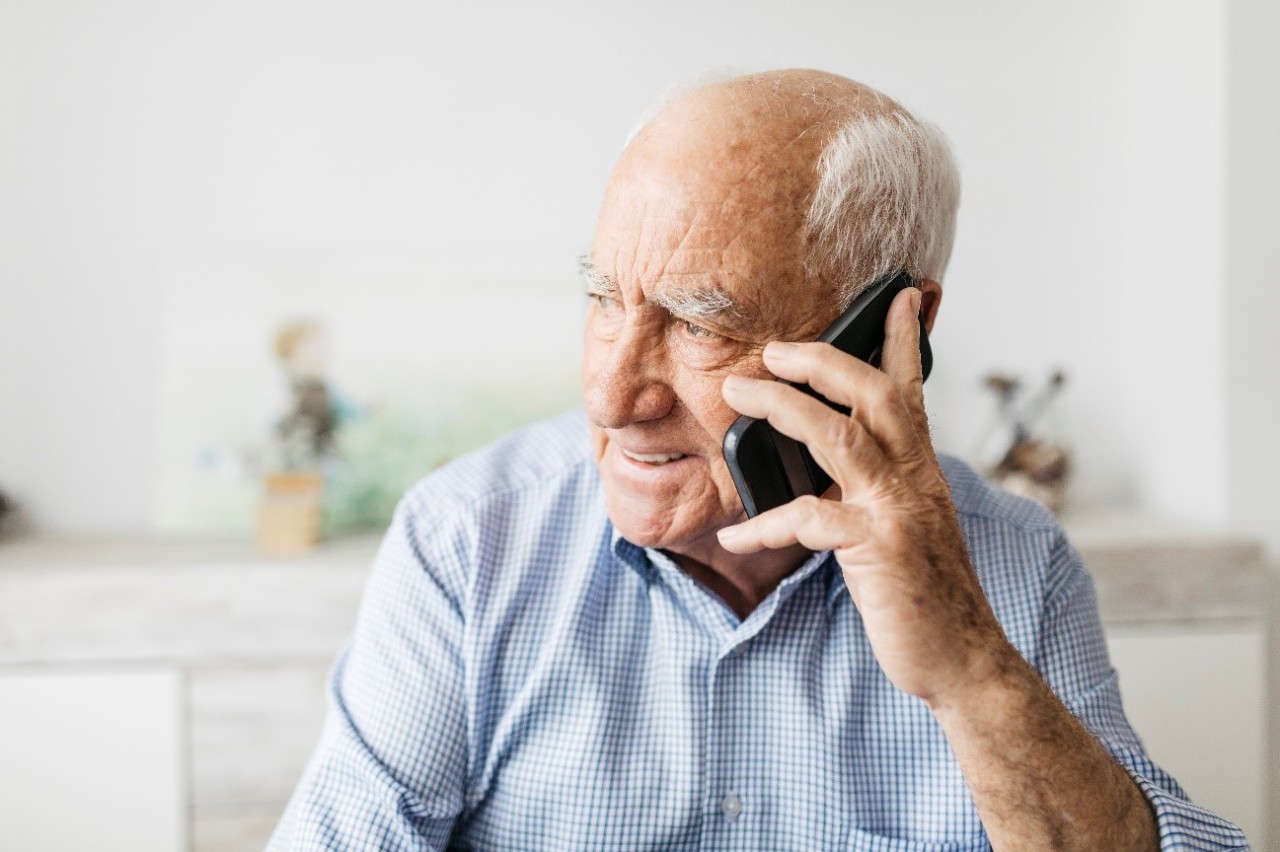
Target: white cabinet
column 1196, row 697
column 162, row 695
column 92, row 760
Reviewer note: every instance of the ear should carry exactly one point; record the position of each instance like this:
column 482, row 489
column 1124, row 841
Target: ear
column 930, row 300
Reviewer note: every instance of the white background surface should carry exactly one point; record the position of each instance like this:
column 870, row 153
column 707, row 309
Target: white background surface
column 92, row 760
column 1119, row 206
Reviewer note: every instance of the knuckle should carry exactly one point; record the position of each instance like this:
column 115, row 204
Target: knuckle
column 839, row 433
column 882, row 390
column 821, row 350
column 808, row 507
column 827, row 357
column 814, row 513
column 832, row 511
column 914, row 386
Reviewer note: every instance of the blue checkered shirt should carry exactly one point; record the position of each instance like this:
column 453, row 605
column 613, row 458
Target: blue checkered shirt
column 521, row 677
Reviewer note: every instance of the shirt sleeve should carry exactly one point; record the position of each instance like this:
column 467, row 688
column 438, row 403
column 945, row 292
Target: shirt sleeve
column 390, row 767
column 1075, row 663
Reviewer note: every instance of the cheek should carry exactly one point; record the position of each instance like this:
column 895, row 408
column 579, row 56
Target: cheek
column 701, row 392
column 595, row 355
column 701, row 395
column 714, row 417
column 588, row 362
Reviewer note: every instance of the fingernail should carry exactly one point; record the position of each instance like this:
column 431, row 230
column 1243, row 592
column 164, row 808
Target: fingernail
column 728, row 534
column 916, row 298
column 736, row 383
column 779, row 350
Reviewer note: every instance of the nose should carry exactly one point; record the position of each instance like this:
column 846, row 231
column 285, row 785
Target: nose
column 627, row 381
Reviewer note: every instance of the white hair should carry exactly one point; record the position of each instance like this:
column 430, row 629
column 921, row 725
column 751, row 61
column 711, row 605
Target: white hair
column 886, row 200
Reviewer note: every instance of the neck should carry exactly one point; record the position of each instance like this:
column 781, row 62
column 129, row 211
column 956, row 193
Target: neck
column 741, row 581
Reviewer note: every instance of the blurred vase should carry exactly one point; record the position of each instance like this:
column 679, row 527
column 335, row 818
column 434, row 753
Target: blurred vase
column 290, row 515
column 1038, row 468
column 1023, row 451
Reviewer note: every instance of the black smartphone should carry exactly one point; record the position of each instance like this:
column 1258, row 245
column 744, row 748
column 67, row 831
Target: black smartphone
column 769, row 468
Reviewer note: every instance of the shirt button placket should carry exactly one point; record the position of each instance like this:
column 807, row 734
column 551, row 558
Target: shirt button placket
column 726, row 804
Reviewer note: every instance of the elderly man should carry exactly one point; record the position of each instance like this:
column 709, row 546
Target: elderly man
column 575, row 640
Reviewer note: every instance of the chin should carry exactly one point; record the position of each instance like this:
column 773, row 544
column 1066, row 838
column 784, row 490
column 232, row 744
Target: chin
column 677, row 507
column 640, row 527
column 661, row 527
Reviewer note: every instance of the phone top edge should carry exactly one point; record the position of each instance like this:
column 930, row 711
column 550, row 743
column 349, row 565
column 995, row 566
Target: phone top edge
column 897, row 282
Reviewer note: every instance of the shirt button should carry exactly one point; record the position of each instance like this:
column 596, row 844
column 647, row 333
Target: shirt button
column 732, row 806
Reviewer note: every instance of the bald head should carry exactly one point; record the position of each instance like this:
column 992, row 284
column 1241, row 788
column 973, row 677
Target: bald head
column 869, row 190
column 776, row 104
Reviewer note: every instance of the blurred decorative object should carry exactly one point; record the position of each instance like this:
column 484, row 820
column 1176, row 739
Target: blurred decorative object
column 376, row 370
column 289, row 518
column 290, row 514
column 380, row 453
column 1019, row 453
column 304, row 435
column 8, row 514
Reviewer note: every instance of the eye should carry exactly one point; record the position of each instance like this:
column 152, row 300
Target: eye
column 698, row 331
column 607, row 302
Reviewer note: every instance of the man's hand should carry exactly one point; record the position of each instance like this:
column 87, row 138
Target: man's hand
column 1040, row 781
column 891, row 524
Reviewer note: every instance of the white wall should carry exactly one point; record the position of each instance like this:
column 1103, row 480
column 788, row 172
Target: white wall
column 1253, row 263
column 479, row 137
column 1253, row 259
column 1174, row 276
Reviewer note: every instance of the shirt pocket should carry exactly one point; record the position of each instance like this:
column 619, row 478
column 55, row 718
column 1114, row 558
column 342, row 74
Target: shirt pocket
column 865, row 841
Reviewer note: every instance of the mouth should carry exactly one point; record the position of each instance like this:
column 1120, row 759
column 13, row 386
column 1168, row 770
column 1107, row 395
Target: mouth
column 655, row 459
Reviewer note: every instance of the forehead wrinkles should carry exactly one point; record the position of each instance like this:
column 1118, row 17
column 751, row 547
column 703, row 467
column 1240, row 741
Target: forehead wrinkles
column 664, row 257
column 732, row 234
column 727, row 216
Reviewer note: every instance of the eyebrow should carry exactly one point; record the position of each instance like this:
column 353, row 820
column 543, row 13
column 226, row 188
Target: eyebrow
column 702, row 303
column 596, row 280
column 691, row 303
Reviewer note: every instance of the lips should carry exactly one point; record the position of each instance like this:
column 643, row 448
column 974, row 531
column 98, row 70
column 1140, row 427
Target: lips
column 653, row 458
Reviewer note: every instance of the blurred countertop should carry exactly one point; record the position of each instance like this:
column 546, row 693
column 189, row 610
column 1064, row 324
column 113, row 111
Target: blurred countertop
column 186, row 602
column 191, row 602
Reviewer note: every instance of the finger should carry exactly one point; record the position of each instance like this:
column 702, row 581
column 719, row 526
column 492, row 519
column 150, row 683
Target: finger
column 872, row 397
column 840, row 445
column 810, row 521
column 901, row 359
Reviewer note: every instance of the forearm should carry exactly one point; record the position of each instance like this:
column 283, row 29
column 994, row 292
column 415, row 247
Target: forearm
column 1039, row 779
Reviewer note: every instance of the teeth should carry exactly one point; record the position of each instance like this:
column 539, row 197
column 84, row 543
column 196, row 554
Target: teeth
column 653, row 458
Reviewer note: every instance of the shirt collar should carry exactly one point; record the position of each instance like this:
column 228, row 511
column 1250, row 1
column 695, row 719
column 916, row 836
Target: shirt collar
column 630, row 554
